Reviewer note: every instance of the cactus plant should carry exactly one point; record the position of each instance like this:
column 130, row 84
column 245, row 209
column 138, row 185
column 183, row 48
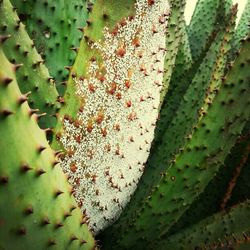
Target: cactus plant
column 86, row 87
column 132, row 86
column 54, row 27
column 223, row 230
column 186, row 116
column 37, row 207
column 33, row 76
column 197, row 159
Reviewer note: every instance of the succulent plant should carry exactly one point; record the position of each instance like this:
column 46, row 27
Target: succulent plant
column 123, row 127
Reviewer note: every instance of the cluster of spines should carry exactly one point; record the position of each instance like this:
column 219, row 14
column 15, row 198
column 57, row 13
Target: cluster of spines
column 37, row 206
column 224, row 230
column 175, row 27
column 199, row 158
column 174, row 38
column 241, row 32
column 54, row 28
column 197, row 39
column 92, row 32
column 125, row 79
column 225, row 128
column 227, row 188
column 238, row 186
column 204, row 25
column 186, row 117
column 177, row 86
column 33, row 76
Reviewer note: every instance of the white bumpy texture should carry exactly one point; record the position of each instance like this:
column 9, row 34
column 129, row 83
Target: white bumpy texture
column 111, row 143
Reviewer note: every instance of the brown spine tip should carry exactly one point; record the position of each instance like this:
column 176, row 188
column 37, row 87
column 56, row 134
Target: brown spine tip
column 83, row 220
column 90, row 7
column 81, row 29
column 105, row 16
column 33, row 111
column 83, row 242
column 23, row 98
column 121, row 52
column 74, row 49
column 60, row 99
column 40, row 172
column 3, row 38
column 17, row 47
column 58, row 192
column 38, row 116
column 5, row 113
column 28, row 210
column 58, row 152
column 55, row 163
column 68, row 68
column 45, row 221
column 58, row 225
column 21, row 231
column 48, row 131
column 72, row 208
column 51, row 80
column 25, row 168
column 17, row 66
column 88, row 22
column 63, row 83
column 6, row 80
column 151, row 2
column 41, row 149
column 71, row 190
column 67, row 214
column 4, row 179
column 73, row 237
column 86, row 38
column 51, row 242
column 25, row 53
